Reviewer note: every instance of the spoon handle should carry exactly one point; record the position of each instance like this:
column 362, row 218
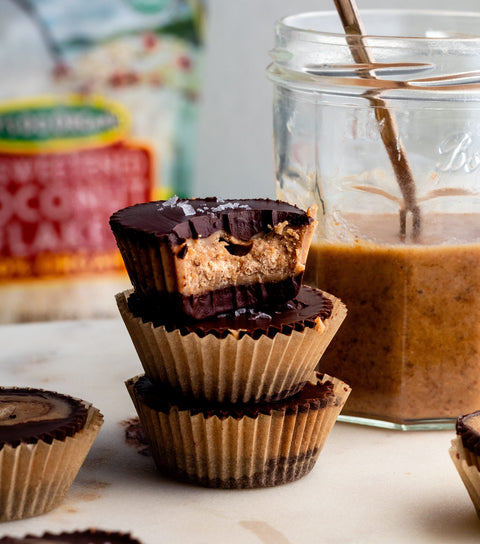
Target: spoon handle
column 354, row 31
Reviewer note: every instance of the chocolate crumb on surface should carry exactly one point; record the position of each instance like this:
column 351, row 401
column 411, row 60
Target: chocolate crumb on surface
column 135, row 436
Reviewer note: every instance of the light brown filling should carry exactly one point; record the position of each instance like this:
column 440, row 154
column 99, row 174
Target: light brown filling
column 221, row 260
column 15, row 409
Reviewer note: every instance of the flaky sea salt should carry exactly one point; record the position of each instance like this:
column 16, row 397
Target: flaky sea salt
column 187, row 208
column 251, row 314
column 230, row 206
column 175, row 201
column 170, row 203
column 260, row 315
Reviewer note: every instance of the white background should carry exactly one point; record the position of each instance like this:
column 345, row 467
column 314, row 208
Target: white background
column 235, row 157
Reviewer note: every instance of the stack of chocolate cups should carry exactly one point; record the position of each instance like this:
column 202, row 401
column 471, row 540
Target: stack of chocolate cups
column 229, row 339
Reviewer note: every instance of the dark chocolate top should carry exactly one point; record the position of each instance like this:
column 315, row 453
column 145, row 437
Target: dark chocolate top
column 162, row 399
column 29, row 415
column 177, row 220
column 90, row 536
column 296, row 314
column 470, row 437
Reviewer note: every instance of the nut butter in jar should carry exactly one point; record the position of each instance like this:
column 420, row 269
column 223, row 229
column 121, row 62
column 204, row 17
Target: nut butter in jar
column 402, row 253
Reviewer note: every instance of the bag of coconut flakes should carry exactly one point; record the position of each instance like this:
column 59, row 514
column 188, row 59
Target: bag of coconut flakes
column 98, row 107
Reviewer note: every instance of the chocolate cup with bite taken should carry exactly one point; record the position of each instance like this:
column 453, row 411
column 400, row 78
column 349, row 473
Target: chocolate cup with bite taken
column 203, row 257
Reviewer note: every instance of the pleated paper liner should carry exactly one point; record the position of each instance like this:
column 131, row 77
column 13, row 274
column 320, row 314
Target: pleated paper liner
column 230, row 368
column 241, row 446
column 34, row 478
column 468, row 467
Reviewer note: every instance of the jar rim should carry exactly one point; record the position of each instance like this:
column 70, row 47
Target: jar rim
column 287, row 23
column 412, row 52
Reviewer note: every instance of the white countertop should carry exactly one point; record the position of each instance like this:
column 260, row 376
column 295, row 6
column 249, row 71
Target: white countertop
column 368, row 486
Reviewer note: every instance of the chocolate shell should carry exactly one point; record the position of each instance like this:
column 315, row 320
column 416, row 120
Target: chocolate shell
column 176, row 220
column 29, row 415
column 162, row 399
column 305, row 310
column 90, row 536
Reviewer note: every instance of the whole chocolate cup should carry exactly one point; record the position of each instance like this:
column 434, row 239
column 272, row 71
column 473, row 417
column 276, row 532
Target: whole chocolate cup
column 238, row 446
column 37, row 471
column 237, row 359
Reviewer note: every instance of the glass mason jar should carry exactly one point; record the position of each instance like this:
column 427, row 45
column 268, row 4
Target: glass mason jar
column 389, row 151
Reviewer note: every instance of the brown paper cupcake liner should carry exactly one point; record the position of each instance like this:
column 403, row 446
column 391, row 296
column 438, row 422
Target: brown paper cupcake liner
column 235, row 451
column 34, row 478
column 230, row 369
column 468, row 467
